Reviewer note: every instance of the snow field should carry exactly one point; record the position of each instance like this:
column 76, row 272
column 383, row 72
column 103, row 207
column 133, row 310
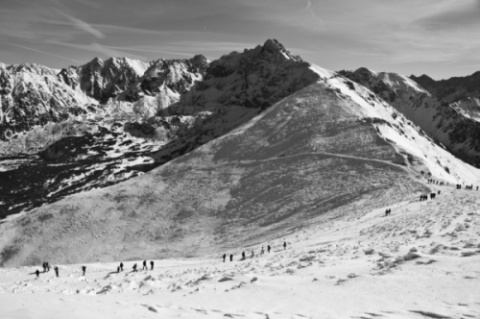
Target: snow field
column 420, row 262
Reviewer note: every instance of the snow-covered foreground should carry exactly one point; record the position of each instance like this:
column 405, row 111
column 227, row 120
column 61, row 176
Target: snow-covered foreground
column 419, row 262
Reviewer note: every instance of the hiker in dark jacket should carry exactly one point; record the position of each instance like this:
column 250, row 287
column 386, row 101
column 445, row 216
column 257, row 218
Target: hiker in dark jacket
column 37, row 272
column 151, row 265
column 121, row 266
column 84, row 269
column 135, row 267
column 224, row 257
column 284, row 245
column 268, row 248
column 231, row 257
column 144, row 265
column 56, row 271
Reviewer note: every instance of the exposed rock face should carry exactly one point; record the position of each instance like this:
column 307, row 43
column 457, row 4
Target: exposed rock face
column 102, row 80
column 453, row 125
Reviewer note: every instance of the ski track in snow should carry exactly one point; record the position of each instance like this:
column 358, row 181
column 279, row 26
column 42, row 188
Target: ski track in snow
column 420, row 262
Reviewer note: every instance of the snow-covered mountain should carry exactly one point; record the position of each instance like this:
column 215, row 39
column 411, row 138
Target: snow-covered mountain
column 181, row 104
column 33, row 94
column 196, row 159
column 455, row 125
column 323, row 148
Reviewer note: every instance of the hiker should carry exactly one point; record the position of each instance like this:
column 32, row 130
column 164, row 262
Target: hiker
column 144, row 265
column 37, row 272
column 231, row 257
column 252, row 254
column 386, row 212
column 118, row 269
column 262, row 251
column 47, row 266
column 44, row 266
column 284, row 245
column 243, row 255
column 56, row 270
column 84, row 270
column 151, row 265
column 135, row 267
column 121, row 266
column 224, row 257
column 268, row 248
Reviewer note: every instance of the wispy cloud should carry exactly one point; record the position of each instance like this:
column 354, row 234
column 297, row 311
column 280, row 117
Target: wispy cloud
column 451, row 15
column 95, row 47
column 82, row 25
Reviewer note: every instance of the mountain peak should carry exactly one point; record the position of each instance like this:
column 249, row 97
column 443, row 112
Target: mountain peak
column 95, row 62
column 422, row 77
column 364, row 70
column 273, row 46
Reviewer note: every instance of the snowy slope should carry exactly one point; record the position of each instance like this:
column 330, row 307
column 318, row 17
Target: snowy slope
column 469, row 108
column 407, row 137
column 420, row 262
column 453, row 125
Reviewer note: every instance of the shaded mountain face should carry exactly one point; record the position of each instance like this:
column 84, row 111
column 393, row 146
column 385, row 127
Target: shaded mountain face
column 322, row 149
column 177, row 106
column 453, row 89
column 454, row 125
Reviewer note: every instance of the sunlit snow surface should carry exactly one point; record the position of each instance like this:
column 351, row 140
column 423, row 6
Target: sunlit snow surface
column 420, row 262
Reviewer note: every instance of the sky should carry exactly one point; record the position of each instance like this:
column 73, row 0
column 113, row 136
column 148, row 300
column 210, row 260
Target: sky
column 440, row 38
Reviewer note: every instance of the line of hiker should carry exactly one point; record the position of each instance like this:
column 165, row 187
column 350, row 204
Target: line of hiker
column 46, row 267
column 134, row 268
column 432, row 196
column 467, row 187
column 432, row 181
column 252, row 253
